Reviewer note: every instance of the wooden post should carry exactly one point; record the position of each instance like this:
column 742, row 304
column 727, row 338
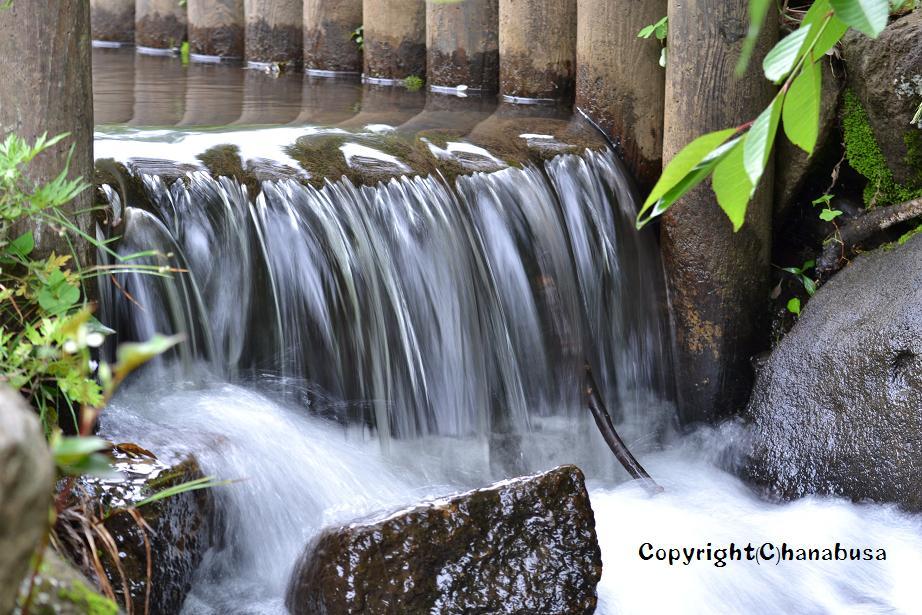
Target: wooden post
column 328, row 45
column 395, row 39
column 215, row 30
column 619, row 81
column 46, row 76
column 462, row 43
column 537, row 48
column 112, row 21
column 718, row 279
column 159, row 25
column 273, row 32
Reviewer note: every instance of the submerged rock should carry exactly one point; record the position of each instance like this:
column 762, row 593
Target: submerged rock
column 179, row 530
column 526, row 545
column 26, row 483
column 837, row 408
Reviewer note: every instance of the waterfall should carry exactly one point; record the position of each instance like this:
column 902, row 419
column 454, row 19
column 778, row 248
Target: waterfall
column 425, row 309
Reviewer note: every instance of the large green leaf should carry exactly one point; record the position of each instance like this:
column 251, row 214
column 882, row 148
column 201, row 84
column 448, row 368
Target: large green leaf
column 759, row 139
column 757, row 11
column 732, row 186
column 132, row 355
column 781, row 59
column 867, row 16
column 694, row 177
column 683, row 162
column 828, row 37
column 801, row 112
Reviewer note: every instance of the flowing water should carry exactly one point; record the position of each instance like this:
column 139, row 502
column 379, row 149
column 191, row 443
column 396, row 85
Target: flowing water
column 350, row 349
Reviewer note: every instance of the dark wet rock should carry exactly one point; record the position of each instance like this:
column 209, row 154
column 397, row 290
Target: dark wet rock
column 793, row 166
column 61, row 589
column 526, row 545
column 26, row 483
column 180, row 528
column 836, row 408
column 886, row 76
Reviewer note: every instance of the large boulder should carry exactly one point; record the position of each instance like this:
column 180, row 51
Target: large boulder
column 179, row 529
column 526, row 545
column 26, row 484
column 886, row 76
column 837, row 407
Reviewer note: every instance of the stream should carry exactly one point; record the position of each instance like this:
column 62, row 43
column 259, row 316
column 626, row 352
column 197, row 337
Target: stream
column 353, row 348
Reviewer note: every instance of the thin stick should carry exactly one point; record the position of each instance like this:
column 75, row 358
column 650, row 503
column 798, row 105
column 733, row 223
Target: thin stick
column 615, row 443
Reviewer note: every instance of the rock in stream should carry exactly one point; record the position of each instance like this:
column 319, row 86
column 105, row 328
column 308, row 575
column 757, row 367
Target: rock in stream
column 526, row 545
column 837, row 408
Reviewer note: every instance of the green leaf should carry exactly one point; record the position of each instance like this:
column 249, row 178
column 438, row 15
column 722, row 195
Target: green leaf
column 732, row 186
column 783, row 56
column 809, row 284
column 69, row 450
column 683, row 162
column 757, row 12
column 759, row 140
column 694, row 177
column 867, row 16
column 23, row 245
column 828, row 215
column 794, row 306
column 133, row 355
column 58, row 294
column 646, row 31
column 801, row 113
column 831, row 35
column 206, row 482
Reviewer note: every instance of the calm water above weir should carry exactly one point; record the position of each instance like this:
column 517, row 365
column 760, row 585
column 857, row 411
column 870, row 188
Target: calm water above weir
column 357, row 348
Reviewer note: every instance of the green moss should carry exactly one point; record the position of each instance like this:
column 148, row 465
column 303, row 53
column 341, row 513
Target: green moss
column 864, row 155
column 87, row 600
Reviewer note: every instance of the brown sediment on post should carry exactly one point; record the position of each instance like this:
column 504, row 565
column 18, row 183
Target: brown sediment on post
column 462, row 41
column 160, row 24
column 395, row 38
column 274, row 32
column 328, row 29
column 537, row 48
column 216, row 28
column 619, row 82
column 112, row 21
column 718, row 280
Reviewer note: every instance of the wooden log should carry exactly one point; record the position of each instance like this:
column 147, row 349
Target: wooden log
column 112, row 21
column 328, row 44
column 273, row 32
column 160, row 24
column 46, row 72
column 537, row 48
column 718, row 280
column 619, row 82
column 462, row 45
column 395, row 39
column 216, row 29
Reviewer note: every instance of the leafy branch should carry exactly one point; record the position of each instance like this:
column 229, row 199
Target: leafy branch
column 735, row 158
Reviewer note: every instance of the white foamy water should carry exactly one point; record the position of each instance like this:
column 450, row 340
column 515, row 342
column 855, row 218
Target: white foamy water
column 298, row 474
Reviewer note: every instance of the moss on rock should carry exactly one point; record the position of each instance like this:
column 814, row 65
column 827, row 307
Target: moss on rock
column 62, row 590
column 865, row 156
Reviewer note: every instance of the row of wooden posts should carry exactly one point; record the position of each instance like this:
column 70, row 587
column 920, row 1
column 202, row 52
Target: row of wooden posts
column 584, row 49
column 522, row 49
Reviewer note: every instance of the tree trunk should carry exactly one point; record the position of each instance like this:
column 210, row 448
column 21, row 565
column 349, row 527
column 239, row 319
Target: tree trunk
column 45, row 72
column 718, row 280
column 619, row 81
